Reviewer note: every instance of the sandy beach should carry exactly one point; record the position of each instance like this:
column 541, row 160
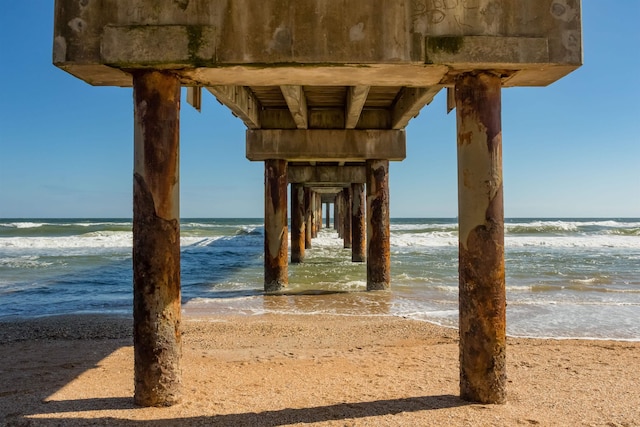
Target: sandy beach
column 274, row 370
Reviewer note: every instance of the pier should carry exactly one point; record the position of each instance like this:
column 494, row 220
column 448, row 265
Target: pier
column 326, row 90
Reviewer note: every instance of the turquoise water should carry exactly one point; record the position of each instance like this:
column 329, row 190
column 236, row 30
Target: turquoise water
column 565, row 277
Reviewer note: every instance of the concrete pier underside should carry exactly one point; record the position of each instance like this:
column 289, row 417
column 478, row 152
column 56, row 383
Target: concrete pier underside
column 325, row 89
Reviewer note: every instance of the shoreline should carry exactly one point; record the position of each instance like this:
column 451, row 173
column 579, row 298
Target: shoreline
column 272, row 370
column 200, row 315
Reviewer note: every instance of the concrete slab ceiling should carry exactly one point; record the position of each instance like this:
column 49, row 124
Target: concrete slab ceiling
column 331, row 64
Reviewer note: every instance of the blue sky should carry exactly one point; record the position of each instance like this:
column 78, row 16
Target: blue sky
column 570, row 150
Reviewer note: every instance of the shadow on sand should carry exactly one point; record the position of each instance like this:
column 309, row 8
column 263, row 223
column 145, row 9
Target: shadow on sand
column 282, row 417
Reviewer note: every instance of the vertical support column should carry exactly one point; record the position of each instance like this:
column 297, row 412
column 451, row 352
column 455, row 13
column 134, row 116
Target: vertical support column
column 482, row 295
column 347, row 217
column 156, row 239
column 378, row 244
column 297, row 223
column 328, row 213
column 336, row 214
column 314, row 215
column 339, row 216
column 276, row 269
column 319, row 198
column 307, row 218
column 358, row 229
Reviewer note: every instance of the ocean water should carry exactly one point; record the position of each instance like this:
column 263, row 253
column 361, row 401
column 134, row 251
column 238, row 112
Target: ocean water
column 565, row 277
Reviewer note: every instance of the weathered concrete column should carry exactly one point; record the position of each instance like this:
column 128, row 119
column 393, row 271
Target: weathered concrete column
column 314, row 215
column 339, row 215
column 342, row 215
column 328, row 213
column 378, row 244
column 319, row 205
column 358, row 225
column 308, row 218
column 482, row 296
column 276, row 268
column 347, row 217
column 156, row 239
column 297, row 223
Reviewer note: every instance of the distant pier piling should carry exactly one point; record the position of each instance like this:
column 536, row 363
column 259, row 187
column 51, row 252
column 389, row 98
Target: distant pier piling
column 328, row 213
column 378, row 243
column 308, row 217
column 358, row 223
column 482, row 295
column 276, row 236
column 347, row 217
column 314, row 215
column 297, row 224
column 319, row 210
column 339, row 215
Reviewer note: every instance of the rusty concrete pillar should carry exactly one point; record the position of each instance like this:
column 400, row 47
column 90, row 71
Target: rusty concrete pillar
column 339, row 215
column 297, row 223
column 308, row 232
column 156, row 239
column 378, row 244
column 358, row 225
column 319, row 211
column 482, row 296
column 314, row 215
column 319, row 204
column 328, row 213
column 336, row 221
column 347, row 217
column 276, row 268
column 336, row 214
column 342, row 215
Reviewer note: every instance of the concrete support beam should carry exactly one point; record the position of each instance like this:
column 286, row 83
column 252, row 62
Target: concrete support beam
column 481, row 229
column 358, row 223
column 325, row 189
column 481, row 52
column 194, row 97
column 297, row 223
column 378, row 243
column 308, row 217
column 451, row 99
column 156, row 239
column 276, row 268
column 347, row 217
column 241, row 102
column 162, row 47
column 297, row 103
column 225, row 44
column 325, row 145
column 328, row 198
column 326, row 174
column 356, row 97
column 324, row 44
column 409, row 104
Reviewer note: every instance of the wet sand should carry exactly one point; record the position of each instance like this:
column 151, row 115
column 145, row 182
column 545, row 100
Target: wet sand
column 281, row 370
